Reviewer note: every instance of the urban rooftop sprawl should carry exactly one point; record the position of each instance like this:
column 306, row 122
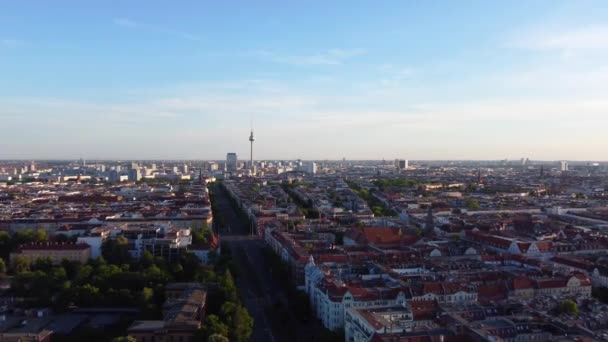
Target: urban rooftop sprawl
column 321, row 250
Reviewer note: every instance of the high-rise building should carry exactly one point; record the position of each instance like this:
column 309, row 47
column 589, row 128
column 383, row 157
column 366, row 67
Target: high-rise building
column 212, row 166
column 403, row 164
column 185, row 168
column 134, row 175
column 231, row 162
column 312, row 168
column 563, row 165
column 114, row 176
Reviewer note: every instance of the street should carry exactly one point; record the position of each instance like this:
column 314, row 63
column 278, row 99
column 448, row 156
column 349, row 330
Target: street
column 274, row 319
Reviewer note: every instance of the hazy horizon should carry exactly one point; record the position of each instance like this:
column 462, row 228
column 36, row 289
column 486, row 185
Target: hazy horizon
column 388, row 161
column 362, row 81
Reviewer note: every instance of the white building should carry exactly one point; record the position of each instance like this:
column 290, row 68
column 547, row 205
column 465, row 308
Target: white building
column 360, row 325
column 162, row 240
column 96, row 238
column 311, row 168
column 330, row 298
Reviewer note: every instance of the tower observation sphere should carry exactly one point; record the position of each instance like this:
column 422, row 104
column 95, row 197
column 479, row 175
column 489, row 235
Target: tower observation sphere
column 251, row 140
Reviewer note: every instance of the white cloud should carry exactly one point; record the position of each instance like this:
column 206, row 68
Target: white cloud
column 128, row 23
column 12, row 42
column 329, row 57
column 125, row 22
column 582, row 38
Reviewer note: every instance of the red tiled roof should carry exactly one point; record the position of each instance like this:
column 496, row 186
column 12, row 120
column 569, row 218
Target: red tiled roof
column 551, row 283
column 522, row 283
column 379, row 236
column 491, row 292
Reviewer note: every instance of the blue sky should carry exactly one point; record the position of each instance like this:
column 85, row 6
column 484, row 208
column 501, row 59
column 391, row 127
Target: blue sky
column 321, row 80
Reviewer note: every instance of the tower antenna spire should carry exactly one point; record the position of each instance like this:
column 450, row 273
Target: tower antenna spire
column 251, row 140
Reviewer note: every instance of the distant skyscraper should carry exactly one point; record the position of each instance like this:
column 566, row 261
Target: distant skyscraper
column 32, row 167
column 114, row 176
column 312, row 168
column 403, row 164
column 212, row 166
column 563, row 165
column 231, row 162
column 134, row 175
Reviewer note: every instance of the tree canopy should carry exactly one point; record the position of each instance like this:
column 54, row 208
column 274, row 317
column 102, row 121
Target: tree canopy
column 569, row 307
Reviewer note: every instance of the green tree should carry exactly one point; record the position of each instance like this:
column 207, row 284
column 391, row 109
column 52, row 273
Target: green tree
column 87, row 295
column 20, row 264
column 227, row 311
column 205, row 274
column 147, row 295
column 242, row 324
column 124, row 339
column 116, row 251
column 40, row 235
column 43, row 264
column 217, row 338
column 569, row 307
column 472, row 204
column 147, row 259
column 23, row 237
column 214, row 326
column 71, row 267
column 155, row 275
column 198, row 238
column 227, row 287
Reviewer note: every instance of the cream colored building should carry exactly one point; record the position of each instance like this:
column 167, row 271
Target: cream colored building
column 57, row 252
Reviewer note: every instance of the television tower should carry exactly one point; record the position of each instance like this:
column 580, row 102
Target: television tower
column 251, row 139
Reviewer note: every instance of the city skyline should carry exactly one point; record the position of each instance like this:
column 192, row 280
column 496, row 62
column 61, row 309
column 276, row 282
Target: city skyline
column 482, row 81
